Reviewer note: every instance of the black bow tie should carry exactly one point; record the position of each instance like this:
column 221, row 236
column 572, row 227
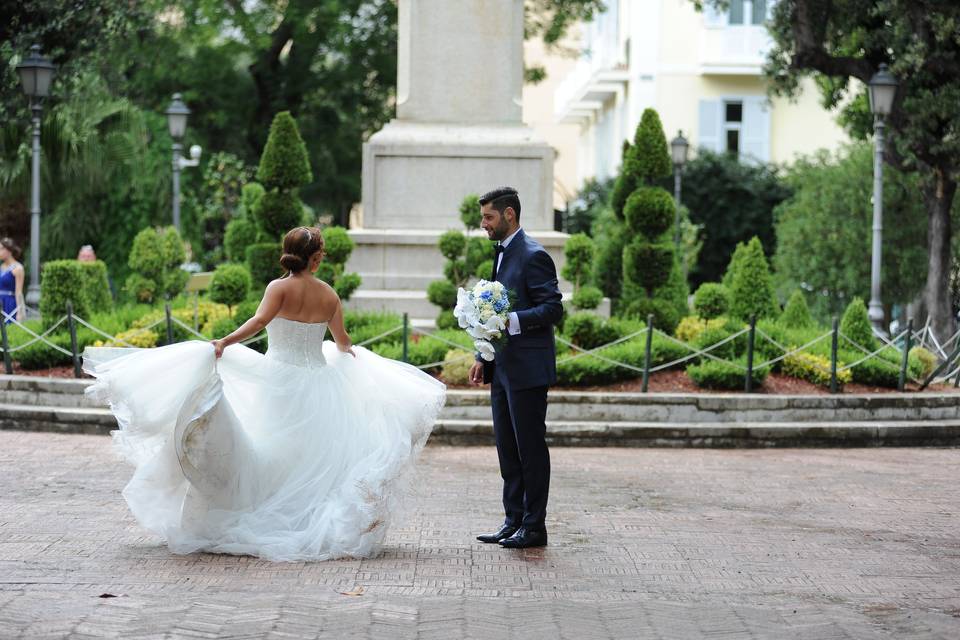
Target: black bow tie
column 497, row 249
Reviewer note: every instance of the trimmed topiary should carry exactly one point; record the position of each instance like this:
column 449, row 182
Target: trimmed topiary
column 239, row 234
column 588, row 331
column 711, row 300
column 855, row 325
column 735, row 259
column 712, row 374
column 649, row 154
column 751, row 289
column 647, row 264
column 470, row 211
column 452, row 245
column 587, row 298
column 337, row 245
column 284, row 163
column 277, row 212
column 650, row 211
column 155, row 260
column 796, row 314
column 346, row 284
column 479, row 251
column 96, row 286
column 230, row 285
column 442, row 293
column 62, row 282
column 263, row 261
column 579, row 251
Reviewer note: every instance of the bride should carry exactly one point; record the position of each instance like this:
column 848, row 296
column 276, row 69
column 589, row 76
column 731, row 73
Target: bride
column 299, row 454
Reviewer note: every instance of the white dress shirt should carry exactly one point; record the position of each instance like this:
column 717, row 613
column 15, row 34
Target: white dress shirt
column 514, row 327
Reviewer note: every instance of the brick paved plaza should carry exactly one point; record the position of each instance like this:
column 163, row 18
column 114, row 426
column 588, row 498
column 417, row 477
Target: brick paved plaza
column 645, row 543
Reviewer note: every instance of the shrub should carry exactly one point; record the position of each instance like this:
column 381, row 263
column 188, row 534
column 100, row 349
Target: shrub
column 346, row 284
column 691, row 327
column 96, row 287
column 63, row 281
column 711, row 300
column 363, row 326
column 796, row 314
column 711, row 335
column 442, row 293
column 479, row 251
column 277, row 212
column 446, row 320
column 263, row 260
column 40, row 355
column 223, row 327
column 452, row 245
column 155, row 260
column 337, row 245
column 143, row 338
column 751, row 289
column 456, row 369
column 813, row 368
column 927, row 362
column 712, row 374
column 877, row 372
column 483, row 270
column 240, row 234
column 284, row 163
column 855, row 325
column 608, row 264
column 646, row 264
column 470, row 211
column 650, row 211
column 230, row 284
column 578, row 251
column 588, row 331
column 587, row 298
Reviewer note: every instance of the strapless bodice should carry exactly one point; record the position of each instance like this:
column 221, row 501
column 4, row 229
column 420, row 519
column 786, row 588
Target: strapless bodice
column 297, row 343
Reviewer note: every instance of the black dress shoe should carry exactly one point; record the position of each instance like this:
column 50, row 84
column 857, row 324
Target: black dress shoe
column 492, row 538
column 525, row 538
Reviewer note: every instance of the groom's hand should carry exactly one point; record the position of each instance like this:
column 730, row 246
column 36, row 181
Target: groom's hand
column 476, row 373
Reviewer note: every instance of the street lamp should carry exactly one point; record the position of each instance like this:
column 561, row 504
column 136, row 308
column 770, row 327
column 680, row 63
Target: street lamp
column 36, row 73
column 177, row 114
column 678, row 150
column 883, row 89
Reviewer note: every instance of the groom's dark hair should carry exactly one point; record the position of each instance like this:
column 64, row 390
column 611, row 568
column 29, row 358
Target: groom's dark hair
column 501, row 198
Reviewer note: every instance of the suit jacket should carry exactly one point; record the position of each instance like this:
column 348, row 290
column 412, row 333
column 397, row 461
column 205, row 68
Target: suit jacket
column 529, row 359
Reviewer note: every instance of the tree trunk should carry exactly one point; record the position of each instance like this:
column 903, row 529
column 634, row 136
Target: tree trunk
column 939, row 195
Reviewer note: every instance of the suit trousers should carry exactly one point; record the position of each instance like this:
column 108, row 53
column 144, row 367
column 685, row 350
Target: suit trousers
column 519, row 424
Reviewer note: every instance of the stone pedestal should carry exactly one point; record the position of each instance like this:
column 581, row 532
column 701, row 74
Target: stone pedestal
column 458, row 131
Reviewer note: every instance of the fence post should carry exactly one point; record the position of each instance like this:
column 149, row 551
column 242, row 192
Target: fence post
column 834, row 341
column 406, row 337
column 902, row 381
column 751, row 338
column 166, row 309
column 646, row 353
column 956, row 381
column 72, row 327
column 7, row 364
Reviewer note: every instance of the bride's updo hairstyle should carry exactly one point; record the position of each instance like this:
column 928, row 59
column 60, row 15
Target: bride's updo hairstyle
column 298, row 245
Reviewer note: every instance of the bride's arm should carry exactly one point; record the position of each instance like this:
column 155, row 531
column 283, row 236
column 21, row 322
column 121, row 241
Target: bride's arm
column 340, row 335
column 268, row 309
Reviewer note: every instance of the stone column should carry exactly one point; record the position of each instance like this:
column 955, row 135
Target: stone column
column 459, row 127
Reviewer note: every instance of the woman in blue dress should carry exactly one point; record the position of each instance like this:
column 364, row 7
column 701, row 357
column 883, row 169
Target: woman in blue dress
column 11, row 282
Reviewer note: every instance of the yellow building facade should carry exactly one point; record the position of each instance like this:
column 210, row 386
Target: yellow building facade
column 702, row 72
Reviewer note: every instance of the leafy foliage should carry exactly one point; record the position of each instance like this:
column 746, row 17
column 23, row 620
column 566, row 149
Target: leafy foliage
column 63, row 282
column 751, row 289
column 796, row 314
column 711, row 300
column 855, row 324
column 230, row 284
column 579, row 251
column 470, row 212
column 338, row 245
column 155, row 260
column 263, row 261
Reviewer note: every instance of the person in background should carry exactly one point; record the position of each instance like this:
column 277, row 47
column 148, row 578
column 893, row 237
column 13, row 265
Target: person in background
column 86, row 254
column 11, row 282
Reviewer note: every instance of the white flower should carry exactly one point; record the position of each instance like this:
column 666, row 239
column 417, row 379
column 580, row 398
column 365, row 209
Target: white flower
column 465, row 312
column 485, row 349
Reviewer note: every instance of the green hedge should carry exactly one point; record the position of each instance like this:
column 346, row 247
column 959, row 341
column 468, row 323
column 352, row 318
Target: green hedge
column 263, row 260
column 64, row 281
column 712, row 374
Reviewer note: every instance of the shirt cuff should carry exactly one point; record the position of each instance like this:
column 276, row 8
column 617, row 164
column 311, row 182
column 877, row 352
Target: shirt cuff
column 514, row 327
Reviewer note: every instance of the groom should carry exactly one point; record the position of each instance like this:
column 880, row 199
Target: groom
column 521, row 372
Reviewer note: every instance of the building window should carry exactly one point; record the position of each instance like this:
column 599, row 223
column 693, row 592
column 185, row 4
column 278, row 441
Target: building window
column 747, row 12
column 732, row 125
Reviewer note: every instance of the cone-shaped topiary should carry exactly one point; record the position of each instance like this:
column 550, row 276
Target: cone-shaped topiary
column 284, row 163
column 751, row 290
column 796, row 314
column 277, row 212
column 732, row 266
column 855, row 325
column 649, row 155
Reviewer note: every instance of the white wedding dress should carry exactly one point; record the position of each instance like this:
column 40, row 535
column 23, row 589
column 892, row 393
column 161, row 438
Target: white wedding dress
column 299, row 454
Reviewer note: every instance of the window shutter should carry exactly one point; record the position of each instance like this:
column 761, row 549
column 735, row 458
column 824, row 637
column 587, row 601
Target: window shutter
column 755, row 144
column 710, row 125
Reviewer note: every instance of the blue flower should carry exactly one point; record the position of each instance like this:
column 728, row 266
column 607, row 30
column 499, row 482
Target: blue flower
column 486, row 295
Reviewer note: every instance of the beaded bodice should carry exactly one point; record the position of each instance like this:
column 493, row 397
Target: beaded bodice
column 297, row 343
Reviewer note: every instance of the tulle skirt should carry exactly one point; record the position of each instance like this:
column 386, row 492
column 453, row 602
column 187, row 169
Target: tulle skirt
column 250, row 455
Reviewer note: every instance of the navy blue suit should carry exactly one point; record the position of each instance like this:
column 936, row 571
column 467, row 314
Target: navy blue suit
column 522, row 371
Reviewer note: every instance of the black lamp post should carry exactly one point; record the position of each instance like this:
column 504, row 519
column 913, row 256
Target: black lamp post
column 36, row 73
column 177, row 114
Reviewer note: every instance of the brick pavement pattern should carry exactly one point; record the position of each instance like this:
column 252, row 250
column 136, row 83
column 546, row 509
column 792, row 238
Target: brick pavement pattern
column 645, row 543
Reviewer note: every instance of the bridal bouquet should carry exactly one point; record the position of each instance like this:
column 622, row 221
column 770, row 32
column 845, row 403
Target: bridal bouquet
column 483, row 311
